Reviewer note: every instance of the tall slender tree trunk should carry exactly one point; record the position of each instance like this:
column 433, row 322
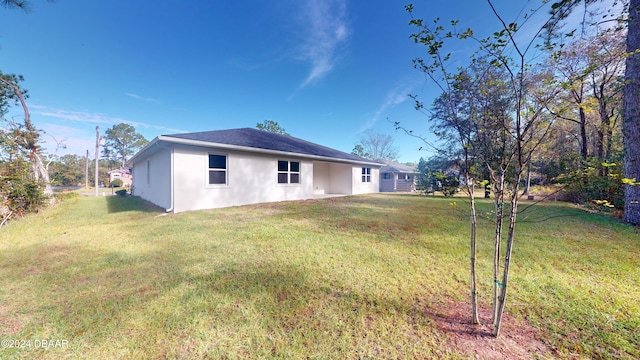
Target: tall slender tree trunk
column 631, row 124
column 584, row 150
column 513, row 211
column 41, row 170
column 499, row 208
column 473, row 250
column 607, row 152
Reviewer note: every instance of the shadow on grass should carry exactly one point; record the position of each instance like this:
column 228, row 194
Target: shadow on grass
column 116, row 204
column 100, row 297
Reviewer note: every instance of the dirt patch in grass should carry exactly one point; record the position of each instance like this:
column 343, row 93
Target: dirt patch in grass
column 518, row 340
column 10, row 322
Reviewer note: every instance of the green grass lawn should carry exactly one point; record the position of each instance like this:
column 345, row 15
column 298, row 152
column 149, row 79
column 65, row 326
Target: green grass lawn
column 351, row 277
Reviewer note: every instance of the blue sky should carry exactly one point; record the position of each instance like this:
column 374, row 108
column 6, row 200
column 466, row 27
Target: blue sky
column 325, row 70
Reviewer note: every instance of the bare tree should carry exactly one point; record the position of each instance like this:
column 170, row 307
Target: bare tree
column 591, row 71
column 377, row 146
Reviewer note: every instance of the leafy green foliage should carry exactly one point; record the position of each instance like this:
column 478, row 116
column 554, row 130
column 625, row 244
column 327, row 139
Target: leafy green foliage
column 68, row 170
column 447, row 183
column 358, row 150
column 422, row 181
column 116, row 183
column 20, row 194
column 122, row 141
column 271, row 126
column 598, row 182
column 8, row 96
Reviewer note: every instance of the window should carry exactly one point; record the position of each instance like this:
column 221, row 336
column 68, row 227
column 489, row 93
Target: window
column 366, row 174
column 217, row 172
column 386, row 176
column 288, row 172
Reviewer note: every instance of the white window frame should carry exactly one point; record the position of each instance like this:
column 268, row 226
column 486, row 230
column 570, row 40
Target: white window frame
column 366, row 174
column 209, row 169
column 288, row 172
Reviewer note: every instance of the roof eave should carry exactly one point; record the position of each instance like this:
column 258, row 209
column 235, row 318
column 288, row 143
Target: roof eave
column 176, row 140
column 144, row 149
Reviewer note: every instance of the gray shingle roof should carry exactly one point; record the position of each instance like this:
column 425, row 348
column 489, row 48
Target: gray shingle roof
column 394, row 167
column 259, row 139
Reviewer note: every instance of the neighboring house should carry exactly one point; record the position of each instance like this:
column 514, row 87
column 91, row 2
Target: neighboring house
column 214, row 169
column 397, row 177
column 123, row 174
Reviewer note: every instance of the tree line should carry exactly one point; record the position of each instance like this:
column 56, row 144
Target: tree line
column 504, row 120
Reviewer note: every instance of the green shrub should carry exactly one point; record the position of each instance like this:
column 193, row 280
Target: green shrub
column 116, row 183
column 596, row 182
column 22, row 196
column 446, row 183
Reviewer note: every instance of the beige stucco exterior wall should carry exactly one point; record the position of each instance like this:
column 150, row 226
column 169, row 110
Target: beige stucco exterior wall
column 332, row 178
column 360, row 187
column 152, row 180
column 251, row 178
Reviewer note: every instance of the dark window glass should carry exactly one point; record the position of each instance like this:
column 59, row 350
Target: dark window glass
column 283, row 165
column 387, row 176
column 217, row 177
column 288, row 172
column 217, row 161
column 364, row 171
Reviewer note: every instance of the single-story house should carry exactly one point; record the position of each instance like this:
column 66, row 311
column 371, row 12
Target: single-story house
column 123, row 174
column 215, row 169
column 397, row 177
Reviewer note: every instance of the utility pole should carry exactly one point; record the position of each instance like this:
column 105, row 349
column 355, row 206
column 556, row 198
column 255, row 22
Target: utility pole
column 86, row 173
column 97, row 154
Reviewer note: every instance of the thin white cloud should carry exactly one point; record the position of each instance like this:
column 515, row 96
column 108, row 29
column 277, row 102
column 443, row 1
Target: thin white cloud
column 394, row 97
column 78, row 139
column 147, row 99
column 93, row 118
column 327, row 28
